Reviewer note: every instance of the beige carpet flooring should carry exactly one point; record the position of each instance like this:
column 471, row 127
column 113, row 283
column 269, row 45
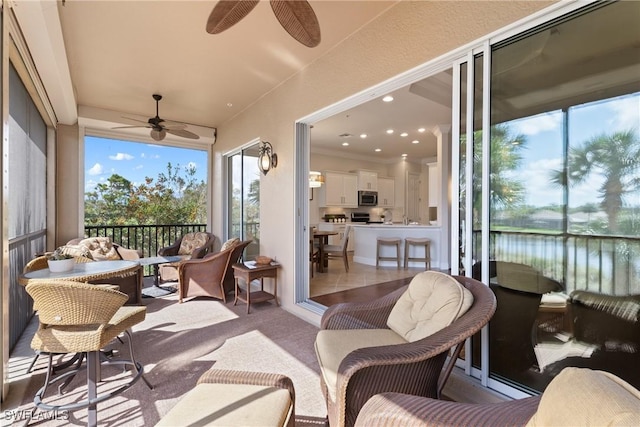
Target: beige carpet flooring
column 177, row 343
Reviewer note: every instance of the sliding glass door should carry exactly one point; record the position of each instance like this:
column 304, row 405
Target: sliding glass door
column 243, row 217
column 549, row 195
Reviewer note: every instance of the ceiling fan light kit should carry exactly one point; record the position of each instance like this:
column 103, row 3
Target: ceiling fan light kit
column 296, row 17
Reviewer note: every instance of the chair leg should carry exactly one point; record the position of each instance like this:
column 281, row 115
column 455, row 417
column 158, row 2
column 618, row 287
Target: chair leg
column 133, row 359
column 346, row 262
column 93, row 363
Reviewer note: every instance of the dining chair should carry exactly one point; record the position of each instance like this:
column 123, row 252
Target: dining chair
column 82, row 318
column 340, row 250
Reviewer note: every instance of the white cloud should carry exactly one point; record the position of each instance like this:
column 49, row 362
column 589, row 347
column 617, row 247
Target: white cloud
column 538, row 124
column 121, row 156
column 139, row 167
column 627, row 113
column 90, row 185
column 96, row 169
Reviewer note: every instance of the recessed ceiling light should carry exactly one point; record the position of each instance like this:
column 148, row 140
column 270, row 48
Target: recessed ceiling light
column 388, row 98
column 389, row 131
column 404, row 134
column 345, row 144
column 421, row 130
column 415, row 141
column 404, row 154
column 229, row 104
column 377, row 150
column 363, row 135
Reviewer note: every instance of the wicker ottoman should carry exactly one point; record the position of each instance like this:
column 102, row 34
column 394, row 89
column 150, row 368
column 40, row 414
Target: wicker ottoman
column 236, row 398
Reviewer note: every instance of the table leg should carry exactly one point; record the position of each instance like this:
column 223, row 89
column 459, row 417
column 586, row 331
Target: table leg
column 156, row 273
column 321, row 255
column 235, row 300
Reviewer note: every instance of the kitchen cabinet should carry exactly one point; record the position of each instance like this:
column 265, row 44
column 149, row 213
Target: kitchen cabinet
column 339, row 189
column 386, row 192
column 367, row 180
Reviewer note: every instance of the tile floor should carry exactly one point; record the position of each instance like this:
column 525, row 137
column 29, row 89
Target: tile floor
column 335, row 279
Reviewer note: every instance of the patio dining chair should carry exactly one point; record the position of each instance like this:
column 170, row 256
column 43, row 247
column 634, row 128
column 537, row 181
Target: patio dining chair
column 82, row 318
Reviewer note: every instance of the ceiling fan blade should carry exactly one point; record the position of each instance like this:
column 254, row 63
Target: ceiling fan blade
column 130, row 127
column 183, row 133
column 227, row 13
column 135, row 120
column 173, row 125
column 158, row 135
column 299, row 19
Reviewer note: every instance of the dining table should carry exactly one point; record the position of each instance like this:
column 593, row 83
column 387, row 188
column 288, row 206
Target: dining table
column 95, row 271
column 322, row 237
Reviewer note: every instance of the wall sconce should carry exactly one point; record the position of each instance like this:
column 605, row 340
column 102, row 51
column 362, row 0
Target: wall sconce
column 267, row 159
column 315, row 179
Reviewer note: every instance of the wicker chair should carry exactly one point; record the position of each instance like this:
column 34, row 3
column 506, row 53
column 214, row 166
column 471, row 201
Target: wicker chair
column 82, row 318
column 409, row 367
column 576, row 397
column 204, row 277
column 39, row 263
column 190, row 246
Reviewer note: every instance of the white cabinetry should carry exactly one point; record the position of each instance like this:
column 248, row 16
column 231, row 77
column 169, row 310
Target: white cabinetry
column 367, row 180
column 339, row 189
column 386, row 192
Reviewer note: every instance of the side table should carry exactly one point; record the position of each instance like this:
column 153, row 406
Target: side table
column 251, row 271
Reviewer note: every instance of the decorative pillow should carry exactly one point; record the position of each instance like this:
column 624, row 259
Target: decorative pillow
column 191, row 242
column 75, row 251
column 101, row 248
column 584, row 397
column 229, row 244
column 432, row 301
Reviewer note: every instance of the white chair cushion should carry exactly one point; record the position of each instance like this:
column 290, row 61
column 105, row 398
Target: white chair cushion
column 583, row 397
column 231, row 405
column 333, row 345
column 432, row 301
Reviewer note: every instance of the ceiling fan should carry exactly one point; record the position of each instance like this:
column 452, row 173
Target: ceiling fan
column 160, row 127
column 296, row 17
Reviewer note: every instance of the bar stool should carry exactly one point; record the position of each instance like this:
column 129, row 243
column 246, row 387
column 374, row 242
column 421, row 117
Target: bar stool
column 417, row 241
column 387, row 241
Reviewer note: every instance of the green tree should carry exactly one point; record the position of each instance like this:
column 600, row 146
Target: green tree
column 110, row 202
column 504, row 191
column 613, row 156
column 174, row 197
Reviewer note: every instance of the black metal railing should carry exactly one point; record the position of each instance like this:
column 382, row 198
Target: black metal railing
column 145, row 238
column 604, row 264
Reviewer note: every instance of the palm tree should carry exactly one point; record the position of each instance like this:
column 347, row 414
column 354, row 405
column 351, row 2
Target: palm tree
column 505, row 157
column 615, row 157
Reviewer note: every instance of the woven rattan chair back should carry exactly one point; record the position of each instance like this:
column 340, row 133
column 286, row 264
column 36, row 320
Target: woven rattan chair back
column 74, row 303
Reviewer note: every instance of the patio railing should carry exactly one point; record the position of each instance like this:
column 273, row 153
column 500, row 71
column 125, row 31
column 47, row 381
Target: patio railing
column 603, row 264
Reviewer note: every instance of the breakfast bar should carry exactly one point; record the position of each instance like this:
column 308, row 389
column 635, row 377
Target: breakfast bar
column 365, row 237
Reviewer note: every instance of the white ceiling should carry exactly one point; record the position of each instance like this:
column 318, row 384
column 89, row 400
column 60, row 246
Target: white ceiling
column 119, row 53
column 122, row 52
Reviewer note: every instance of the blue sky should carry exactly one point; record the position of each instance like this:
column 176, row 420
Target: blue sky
column 135, row 161
column 544, row 146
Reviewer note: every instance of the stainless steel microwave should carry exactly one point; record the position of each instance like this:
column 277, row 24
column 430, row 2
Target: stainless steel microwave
column 367, row 198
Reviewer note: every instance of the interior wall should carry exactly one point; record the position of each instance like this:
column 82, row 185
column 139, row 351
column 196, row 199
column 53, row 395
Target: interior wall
column 69, row 154
column 408, row 35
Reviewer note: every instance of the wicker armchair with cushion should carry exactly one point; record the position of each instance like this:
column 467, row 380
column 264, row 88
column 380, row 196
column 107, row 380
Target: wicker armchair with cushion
column 211, row 276
column 398, row 343
column 103, row 249
column 190, row 246
column 576, row 397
